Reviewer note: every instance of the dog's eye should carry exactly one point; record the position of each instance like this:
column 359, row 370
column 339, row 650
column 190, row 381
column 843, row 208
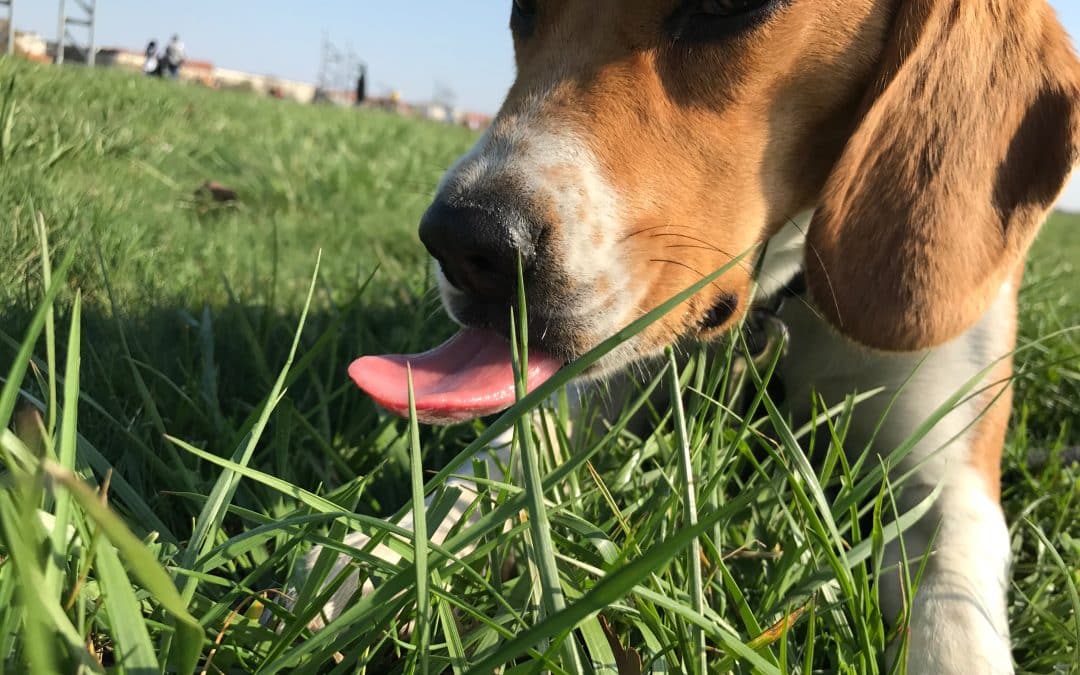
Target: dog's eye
column 523, row 17
column 702, row 21
column 730, row 8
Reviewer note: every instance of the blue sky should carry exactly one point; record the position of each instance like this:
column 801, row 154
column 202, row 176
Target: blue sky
column 409, row 45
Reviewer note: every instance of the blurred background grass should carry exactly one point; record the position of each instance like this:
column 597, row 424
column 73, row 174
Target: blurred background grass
column 190, row 303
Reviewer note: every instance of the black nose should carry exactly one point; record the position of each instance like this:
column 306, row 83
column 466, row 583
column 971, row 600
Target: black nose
column 477, row 244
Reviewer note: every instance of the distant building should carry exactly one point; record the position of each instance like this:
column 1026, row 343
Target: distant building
column 236, row 79
column 392, row 103
column 27, row 45
column 125, row 59
column 436, row 112
column 72, row 53
column 441, row 112
column 293, row 90
column 31, row 46
column 263, row 84
column 341, row 97
column 475, row 121
column 198, row 71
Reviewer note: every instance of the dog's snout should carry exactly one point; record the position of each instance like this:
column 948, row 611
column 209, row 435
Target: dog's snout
column 477, row 245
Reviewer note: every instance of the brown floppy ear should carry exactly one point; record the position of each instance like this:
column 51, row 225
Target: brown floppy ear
column 966, row 139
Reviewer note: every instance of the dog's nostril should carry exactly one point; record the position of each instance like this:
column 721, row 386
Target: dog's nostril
column 480, row 263
column 483, row 275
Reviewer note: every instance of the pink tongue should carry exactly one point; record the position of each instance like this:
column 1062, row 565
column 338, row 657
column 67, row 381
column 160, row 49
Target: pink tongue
column 469, row 376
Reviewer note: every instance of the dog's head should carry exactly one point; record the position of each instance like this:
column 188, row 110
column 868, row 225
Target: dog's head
column 645, row 144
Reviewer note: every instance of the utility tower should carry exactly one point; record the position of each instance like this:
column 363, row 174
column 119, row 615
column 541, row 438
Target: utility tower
column 85, row 20
column 9, row 7
column 339, row 69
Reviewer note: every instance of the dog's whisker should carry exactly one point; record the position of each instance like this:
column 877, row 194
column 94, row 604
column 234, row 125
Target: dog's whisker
column 644, row 230
column 803, row 298
column 704, row 242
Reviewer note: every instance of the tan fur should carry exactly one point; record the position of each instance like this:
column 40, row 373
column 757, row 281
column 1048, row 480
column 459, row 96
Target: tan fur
column 988, row 438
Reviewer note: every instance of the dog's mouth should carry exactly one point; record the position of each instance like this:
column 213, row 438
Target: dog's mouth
column 469, row 376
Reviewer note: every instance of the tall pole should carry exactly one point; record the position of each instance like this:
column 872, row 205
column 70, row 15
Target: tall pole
column 323, row 61
column 10, row 26
column 87, row 19
column 91, row 56
column 61, row 35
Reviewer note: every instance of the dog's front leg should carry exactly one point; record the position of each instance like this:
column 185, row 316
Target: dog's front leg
column 957, row 614
column 958, row 621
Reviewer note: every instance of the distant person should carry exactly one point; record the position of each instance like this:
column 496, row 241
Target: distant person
column 174, row 56
column 152, row 65
column 361, row 86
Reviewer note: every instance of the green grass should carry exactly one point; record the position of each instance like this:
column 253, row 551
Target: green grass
column 178, row 320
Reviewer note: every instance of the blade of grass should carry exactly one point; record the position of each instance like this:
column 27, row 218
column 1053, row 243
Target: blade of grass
column 67, row 450
column 50, row 321
column 454, row 646
column 552, row 598
column 329, row 511
column 134, row 650
column 37, row 652
column 179, row 470
column 8, row 112
column 85, row 452
column 686, row 469
column 422, row 631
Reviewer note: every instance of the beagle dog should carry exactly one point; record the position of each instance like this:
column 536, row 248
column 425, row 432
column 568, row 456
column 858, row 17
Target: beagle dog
column 898, row 156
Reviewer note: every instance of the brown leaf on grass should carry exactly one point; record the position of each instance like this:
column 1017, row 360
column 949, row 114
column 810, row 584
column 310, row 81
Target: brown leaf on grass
column 29, row 428
column 627, row 661
column 218, row 192
column 777, row 630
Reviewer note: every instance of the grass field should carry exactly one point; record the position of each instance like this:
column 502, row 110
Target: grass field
column 168, row 378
